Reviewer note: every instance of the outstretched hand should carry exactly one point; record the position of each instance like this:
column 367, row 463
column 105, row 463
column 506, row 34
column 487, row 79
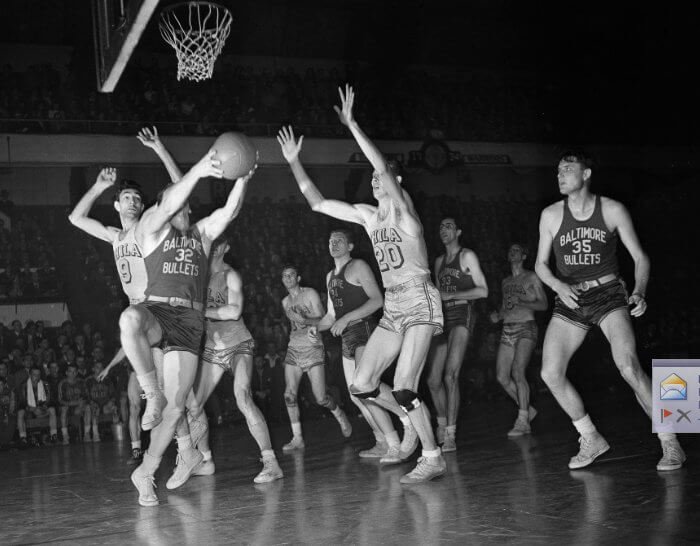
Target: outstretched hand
column 639, row 304
column 106, row 177
column 290, row 147
column 347, row 100
column 149, row 137
column 208, row 166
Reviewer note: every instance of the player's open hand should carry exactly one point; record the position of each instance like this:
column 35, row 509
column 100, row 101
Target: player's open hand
column 567, row 294
column 347, row 100
column 495, row 317
column 290, row 146
column 102, row 375
column 640, row 305
column 106, row 177
column 208, row 166
column 149, row 137
column 313, row 334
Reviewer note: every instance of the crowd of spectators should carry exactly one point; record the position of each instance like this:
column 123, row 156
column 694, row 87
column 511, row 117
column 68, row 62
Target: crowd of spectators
column 267, row 235
column 405, row 104
column 27, row 261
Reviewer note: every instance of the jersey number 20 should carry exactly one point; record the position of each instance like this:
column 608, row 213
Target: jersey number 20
column 390, row 257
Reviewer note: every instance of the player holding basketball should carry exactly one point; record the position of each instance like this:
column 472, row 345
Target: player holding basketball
column 353, row 297
column 305, row 355
column 412, row 311
column 523, row 294
column 461, row 282
column 583, row 230
column 176, row 256
column 128, row 256
column 229, row 346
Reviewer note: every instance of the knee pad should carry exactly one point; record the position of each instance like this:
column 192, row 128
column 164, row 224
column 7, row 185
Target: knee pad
column 371, row 395
column 408, row 400
column 290, row 400
column 328, row 403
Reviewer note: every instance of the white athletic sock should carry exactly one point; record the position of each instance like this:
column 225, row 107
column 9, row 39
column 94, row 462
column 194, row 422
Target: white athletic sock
column 666, row 436
column 585, row 426
column 184, row 442
column 451, row 431
column 148, row 382
column 392, row 438
column 22, row 434
column 64, row 431
column 523, row 415
column 436, row 453
column 379, row 436
column 296, row 429
column 206, row 455
column 136, row 445
column 442, row 422
column 268, row 454
column 405, row 421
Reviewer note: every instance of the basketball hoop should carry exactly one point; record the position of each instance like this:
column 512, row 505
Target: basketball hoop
column 197, row 31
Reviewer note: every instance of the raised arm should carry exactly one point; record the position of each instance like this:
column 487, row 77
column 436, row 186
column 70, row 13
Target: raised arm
column 622, row 221
column 568, row 294
column 214, row 225
column 234, row 308
column 150, row 139
column 79, row 216
column 331, row 207
column 175, row 196
column 374, row 156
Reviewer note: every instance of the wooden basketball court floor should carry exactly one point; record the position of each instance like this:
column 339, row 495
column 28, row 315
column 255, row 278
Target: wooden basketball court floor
column 497, row 490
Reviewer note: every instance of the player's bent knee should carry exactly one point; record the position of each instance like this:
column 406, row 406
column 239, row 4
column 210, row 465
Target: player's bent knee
column 364, row 395
column 290, row 399
column 131, row 320
column 408, row 400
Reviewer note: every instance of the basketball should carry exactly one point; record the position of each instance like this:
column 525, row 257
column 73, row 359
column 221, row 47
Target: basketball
column 237, row 154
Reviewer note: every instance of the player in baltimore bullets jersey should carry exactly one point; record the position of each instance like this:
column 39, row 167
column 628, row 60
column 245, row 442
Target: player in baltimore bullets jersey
column 582, row 230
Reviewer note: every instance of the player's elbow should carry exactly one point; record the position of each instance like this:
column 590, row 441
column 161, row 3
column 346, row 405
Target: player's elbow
column 73, row 219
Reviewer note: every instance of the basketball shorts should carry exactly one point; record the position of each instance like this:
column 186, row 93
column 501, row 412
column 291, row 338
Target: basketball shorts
column 182, row 327
column 411, row 303
column 356, row 336
column 459, row 315
column 514, row 331
column 594, row 305
column 305, row 357
column 37, row 412
column 225, row 358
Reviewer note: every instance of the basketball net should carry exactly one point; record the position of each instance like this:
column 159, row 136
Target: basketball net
column 197, row 31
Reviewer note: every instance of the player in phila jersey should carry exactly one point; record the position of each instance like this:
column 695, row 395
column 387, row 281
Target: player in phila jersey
column 461, row 282
column 129, row 259
column 412, row 310
column 583, row 230
column 523, row 294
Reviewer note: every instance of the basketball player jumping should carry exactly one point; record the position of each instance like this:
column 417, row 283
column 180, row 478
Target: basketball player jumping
column 229, row 346
column 305, row 355
column 523, row 294
column 461, row 282
column 412, row 310
column 353, row 296
column 176, row 257
column 583, row 230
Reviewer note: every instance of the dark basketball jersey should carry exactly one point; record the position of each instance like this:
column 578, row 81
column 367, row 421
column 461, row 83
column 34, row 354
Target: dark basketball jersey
column 585, row 249
column 346, row 297
column 71, row 392
column 451, row 278
column 400, row 256
column 178, row 267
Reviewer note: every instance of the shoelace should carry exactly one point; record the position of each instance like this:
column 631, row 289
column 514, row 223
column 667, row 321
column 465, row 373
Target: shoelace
column 146, row 396
column 671, row 451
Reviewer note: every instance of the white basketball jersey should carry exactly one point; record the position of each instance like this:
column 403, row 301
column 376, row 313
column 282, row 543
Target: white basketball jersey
column 130, row 265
